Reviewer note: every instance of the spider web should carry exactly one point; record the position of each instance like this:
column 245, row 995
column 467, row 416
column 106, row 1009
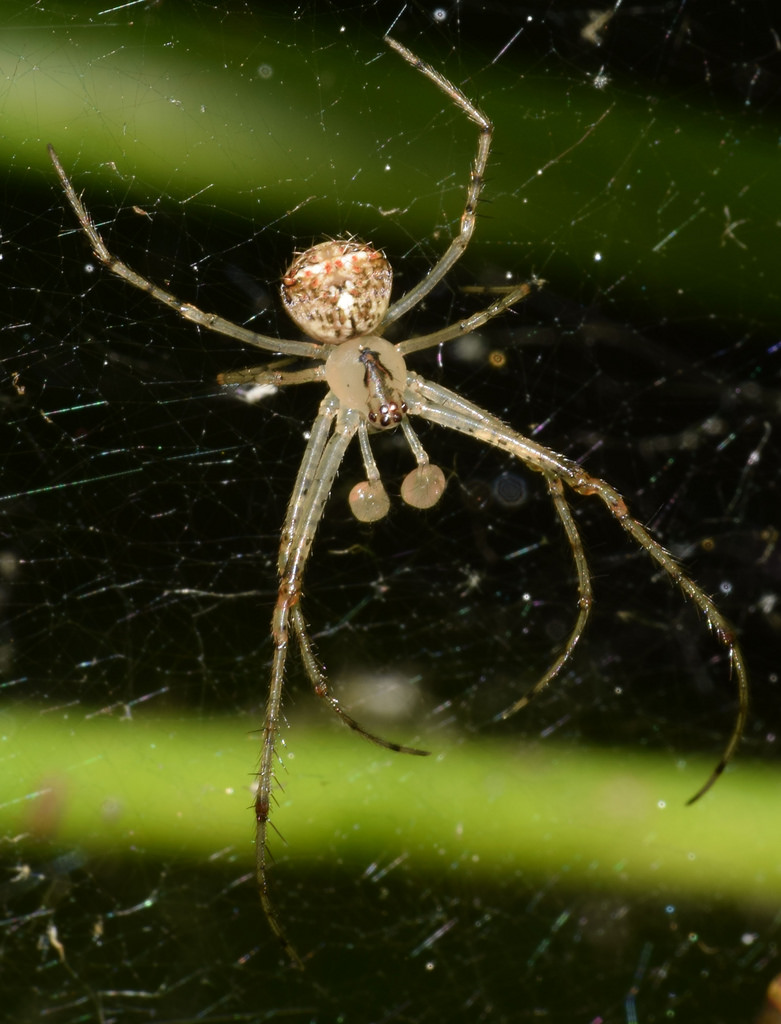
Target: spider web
column 519, row 873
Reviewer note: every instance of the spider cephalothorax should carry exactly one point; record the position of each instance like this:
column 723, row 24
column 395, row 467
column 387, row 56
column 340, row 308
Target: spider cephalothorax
column 369, row 374
column 337, row 292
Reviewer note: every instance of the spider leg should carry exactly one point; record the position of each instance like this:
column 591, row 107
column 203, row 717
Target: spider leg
column 319, row 682
column 314, row 669
column 471, row 323
column 276, row 377
column 585, row 594
column 437, row 404
column 304, row 489
column 209, row 321
column 589, row 485
column 476, row 180
column 319, row 467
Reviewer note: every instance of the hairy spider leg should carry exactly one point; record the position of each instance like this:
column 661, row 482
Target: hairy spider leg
column 318, row 469
column 439, row 405
column 332, row 432
column 585, row 593
column 471, row 323
column 319, row 681
column 209, row 321
column 293, row 536
column 273, row 374
column 476, row 181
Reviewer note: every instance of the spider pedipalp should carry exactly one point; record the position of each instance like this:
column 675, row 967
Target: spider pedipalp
column 369, row 501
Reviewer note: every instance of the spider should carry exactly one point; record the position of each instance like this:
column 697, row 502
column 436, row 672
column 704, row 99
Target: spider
column 338, row 295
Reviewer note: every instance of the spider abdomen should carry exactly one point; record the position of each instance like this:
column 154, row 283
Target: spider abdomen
column 337, row 290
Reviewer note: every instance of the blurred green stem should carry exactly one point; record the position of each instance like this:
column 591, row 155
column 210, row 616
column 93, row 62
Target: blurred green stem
column 183, row 788
column 586, row 187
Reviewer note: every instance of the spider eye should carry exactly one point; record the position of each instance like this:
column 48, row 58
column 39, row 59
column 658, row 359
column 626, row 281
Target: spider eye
column 385, row 414
column 337, row 290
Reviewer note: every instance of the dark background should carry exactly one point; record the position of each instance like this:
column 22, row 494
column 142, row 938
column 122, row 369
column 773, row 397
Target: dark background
column 142, row 504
